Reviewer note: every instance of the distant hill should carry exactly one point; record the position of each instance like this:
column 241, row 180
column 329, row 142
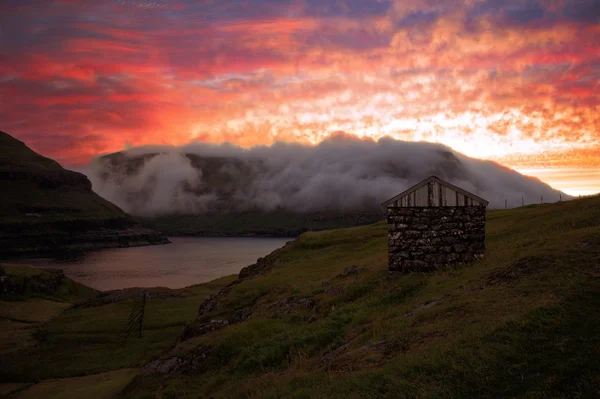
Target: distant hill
column 44, row 207
column 285, row 189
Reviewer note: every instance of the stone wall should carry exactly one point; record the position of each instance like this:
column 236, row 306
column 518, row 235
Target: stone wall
column 425, row 239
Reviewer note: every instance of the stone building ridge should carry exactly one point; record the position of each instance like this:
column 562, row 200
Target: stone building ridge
column 434, row 224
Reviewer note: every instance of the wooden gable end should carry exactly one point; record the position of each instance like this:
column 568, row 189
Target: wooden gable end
column 434, row 192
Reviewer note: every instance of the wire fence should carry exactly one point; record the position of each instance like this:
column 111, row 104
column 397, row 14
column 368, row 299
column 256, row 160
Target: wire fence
column 136, row 318
column 508, row 203
column 522, row 202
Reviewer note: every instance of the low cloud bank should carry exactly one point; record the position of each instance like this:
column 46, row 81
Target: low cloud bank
column 341, row 173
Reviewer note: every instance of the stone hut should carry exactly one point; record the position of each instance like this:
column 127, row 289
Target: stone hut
column 433, row 225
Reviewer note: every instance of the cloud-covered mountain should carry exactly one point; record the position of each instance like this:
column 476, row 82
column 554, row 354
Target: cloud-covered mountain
column 341, row 174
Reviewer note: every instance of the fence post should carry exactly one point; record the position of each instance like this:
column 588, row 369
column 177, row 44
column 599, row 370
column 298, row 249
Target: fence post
column 505, row 204
column 143, row 311
column 136, row 318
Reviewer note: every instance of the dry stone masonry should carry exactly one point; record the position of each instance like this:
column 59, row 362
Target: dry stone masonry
column 428, row 238
column 433, row 225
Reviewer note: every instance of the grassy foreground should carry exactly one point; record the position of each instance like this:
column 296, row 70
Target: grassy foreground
column 64, row 345
column 524, row 322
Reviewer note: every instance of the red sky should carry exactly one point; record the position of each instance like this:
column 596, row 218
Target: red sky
column 513, row 81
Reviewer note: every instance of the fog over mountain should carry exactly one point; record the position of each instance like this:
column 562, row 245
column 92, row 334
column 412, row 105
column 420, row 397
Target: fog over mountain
column 342, row 173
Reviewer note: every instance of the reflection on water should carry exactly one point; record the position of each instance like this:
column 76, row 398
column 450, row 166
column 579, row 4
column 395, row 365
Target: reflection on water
column 185, row 262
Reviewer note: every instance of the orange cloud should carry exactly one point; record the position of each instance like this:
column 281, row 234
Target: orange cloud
column 520, row 87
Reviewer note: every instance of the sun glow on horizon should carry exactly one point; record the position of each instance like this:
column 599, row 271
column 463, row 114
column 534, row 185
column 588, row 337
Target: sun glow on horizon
column 572, row 181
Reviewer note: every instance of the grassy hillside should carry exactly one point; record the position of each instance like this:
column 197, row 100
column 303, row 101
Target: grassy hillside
column 523, row 322
column 32, row 183
column 323, row 318
column 29, row 297
column 17, row 153
column 44, row 206
column 68, row 341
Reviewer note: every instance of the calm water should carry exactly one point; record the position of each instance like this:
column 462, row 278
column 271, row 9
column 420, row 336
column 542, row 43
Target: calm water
column 185, row 262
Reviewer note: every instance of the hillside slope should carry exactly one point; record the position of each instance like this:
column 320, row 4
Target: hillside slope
column 46, row 207
column 322, row 317
column 60, row 339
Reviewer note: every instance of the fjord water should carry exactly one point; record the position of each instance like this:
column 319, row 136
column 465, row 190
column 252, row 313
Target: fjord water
column 184, row 262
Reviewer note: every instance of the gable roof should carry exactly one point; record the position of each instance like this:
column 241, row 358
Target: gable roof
column 441, row 182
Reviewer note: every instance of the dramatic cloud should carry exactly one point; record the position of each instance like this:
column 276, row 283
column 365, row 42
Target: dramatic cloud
column 517, row 82
column 341, row 173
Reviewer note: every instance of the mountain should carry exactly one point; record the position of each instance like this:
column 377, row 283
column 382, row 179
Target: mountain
column 284, row 189
column 44, row 207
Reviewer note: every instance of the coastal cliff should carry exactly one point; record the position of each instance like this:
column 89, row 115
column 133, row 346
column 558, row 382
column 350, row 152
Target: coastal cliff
column 44, row 207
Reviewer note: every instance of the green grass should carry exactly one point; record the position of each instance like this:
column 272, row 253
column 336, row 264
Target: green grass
column 99, row 386
column 522, row 322
column 89, row 340
column 32, row 311
column 15, row 335
column 28, row 277
column 22, row 313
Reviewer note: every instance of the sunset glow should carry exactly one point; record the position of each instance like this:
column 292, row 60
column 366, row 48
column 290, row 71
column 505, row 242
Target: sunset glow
column 516, row 82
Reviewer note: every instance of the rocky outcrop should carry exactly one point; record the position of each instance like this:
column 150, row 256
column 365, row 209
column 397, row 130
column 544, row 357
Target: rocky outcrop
column 349, row 271
column 195, row 330
column 425, row 239
column 262, row 265
column 214, row 303
column 198, row 360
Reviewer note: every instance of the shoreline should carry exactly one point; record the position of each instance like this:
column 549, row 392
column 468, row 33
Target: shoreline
column 51, row 261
